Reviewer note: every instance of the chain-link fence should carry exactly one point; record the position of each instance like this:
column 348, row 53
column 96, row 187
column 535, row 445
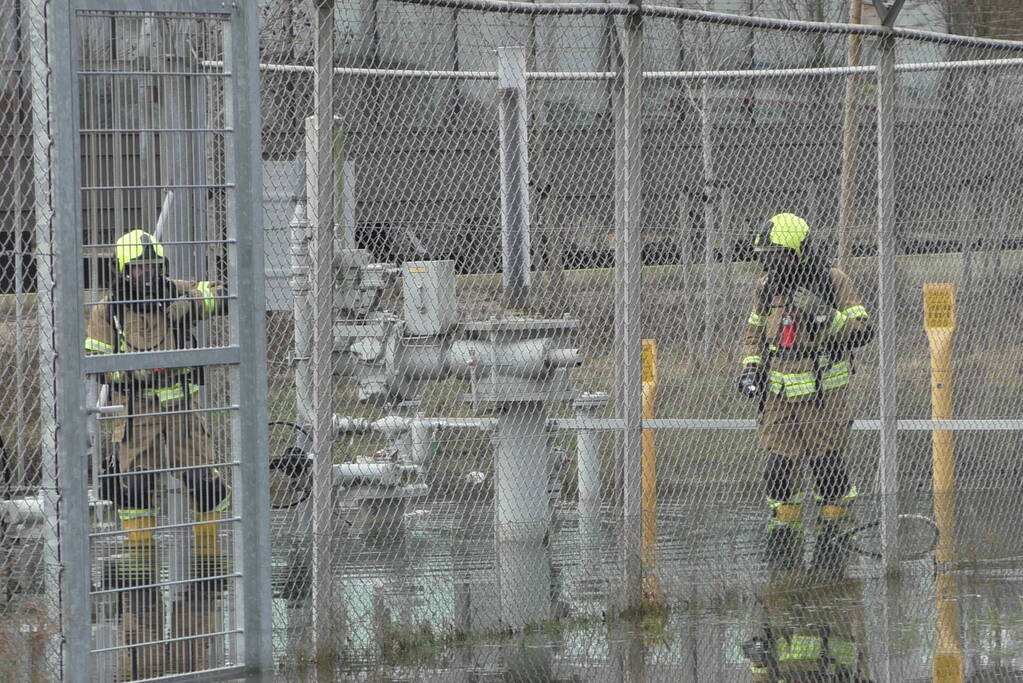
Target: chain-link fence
column 487, row 466
column 28, row 562
column 528, row 234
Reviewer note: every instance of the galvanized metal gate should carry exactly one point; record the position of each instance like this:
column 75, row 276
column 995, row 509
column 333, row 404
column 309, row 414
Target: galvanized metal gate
column 154, row 116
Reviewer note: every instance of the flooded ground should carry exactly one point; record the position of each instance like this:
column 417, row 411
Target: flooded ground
column 433, row 602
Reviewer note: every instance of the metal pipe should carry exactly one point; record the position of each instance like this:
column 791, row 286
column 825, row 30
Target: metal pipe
column 95, row 395
column 521, row 469
column 711, row 278
column 383, row 473
column 587, row 444
column 720, row 18
column 677, row 75
column 177, row 532
column 303, row 323
column 350, row 424
column 161, row 220
column 587, row 408
column 20, row 377
column 627, row 99
column 522, row 511
column 514, row 146
column 850, row 138
column 251, row 606
column 886, row 301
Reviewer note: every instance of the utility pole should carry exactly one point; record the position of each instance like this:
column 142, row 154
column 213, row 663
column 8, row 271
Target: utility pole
column 850, row 141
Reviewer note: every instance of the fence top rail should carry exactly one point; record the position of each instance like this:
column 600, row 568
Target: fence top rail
column 705, row 16
column 726, row 74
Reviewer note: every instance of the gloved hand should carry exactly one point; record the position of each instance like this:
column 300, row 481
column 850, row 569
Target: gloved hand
column 749, row 382
column 814, row 309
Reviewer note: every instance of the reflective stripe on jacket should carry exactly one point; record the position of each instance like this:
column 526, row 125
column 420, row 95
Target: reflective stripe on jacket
column 797, row 372
column 153, row 330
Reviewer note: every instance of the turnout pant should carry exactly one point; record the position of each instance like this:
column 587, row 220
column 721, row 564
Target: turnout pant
column 812, row 431
column 140, row 444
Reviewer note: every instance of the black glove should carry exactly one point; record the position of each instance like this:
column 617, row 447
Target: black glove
column 749, row 382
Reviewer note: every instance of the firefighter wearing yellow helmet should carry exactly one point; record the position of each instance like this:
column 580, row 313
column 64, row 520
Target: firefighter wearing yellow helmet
column 147, row 311
column 806, row 319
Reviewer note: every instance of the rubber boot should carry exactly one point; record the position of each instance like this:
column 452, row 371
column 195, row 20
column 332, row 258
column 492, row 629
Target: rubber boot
column 208, row 560
column 784, row 543
column 137, row 564
column 834, row 518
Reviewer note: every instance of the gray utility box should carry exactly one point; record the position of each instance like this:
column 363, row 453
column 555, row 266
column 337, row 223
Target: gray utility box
column 430, row 307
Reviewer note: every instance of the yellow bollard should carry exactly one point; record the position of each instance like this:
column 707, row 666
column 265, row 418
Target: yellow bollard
column 939, row 322
column 651, row 589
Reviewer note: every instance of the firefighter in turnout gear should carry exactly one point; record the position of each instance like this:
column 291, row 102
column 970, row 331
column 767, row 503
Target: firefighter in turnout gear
column 147, row 311
column 806, row 320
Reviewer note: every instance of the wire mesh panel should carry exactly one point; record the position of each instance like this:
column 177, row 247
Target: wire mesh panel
column 154, row 203
column 159, row 116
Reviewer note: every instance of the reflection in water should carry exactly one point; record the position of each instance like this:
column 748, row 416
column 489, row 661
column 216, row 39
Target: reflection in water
column 428, row 604
column 813, row 622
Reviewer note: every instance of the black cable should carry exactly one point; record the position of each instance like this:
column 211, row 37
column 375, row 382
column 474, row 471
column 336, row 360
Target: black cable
column 845, row 539
column 291, row 455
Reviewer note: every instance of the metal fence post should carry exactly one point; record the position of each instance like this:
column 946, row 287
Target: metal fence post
column 323, row 340
column 628, row 99
column 886, row 300
column 251, row 426
column 59, row 306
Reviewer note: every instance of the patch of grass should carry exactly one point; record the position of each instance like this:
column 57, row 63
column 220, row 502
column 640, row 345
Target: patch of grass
column 421, row 645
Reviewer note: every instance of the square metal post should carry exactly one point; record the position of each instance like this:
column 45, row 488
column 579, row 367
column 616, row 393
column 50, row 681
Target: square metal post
column 244, row 158
column 61, row 331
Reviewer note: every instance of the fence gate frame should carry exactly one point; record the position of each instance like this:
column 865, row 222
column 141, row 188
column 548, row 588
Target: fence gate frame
column 62, row 274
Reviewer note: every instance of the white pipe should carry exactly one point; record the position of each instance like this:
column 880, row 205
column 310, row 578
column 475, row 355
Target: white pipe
column 299, row 236
column 522, row 470
column 522, row 463
column 381, row 473
column 15, row 511
column 394, row 425
column 420, row 442
column 564, row 358
column 352, row 425
column 161, row 220
column 588, row 407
